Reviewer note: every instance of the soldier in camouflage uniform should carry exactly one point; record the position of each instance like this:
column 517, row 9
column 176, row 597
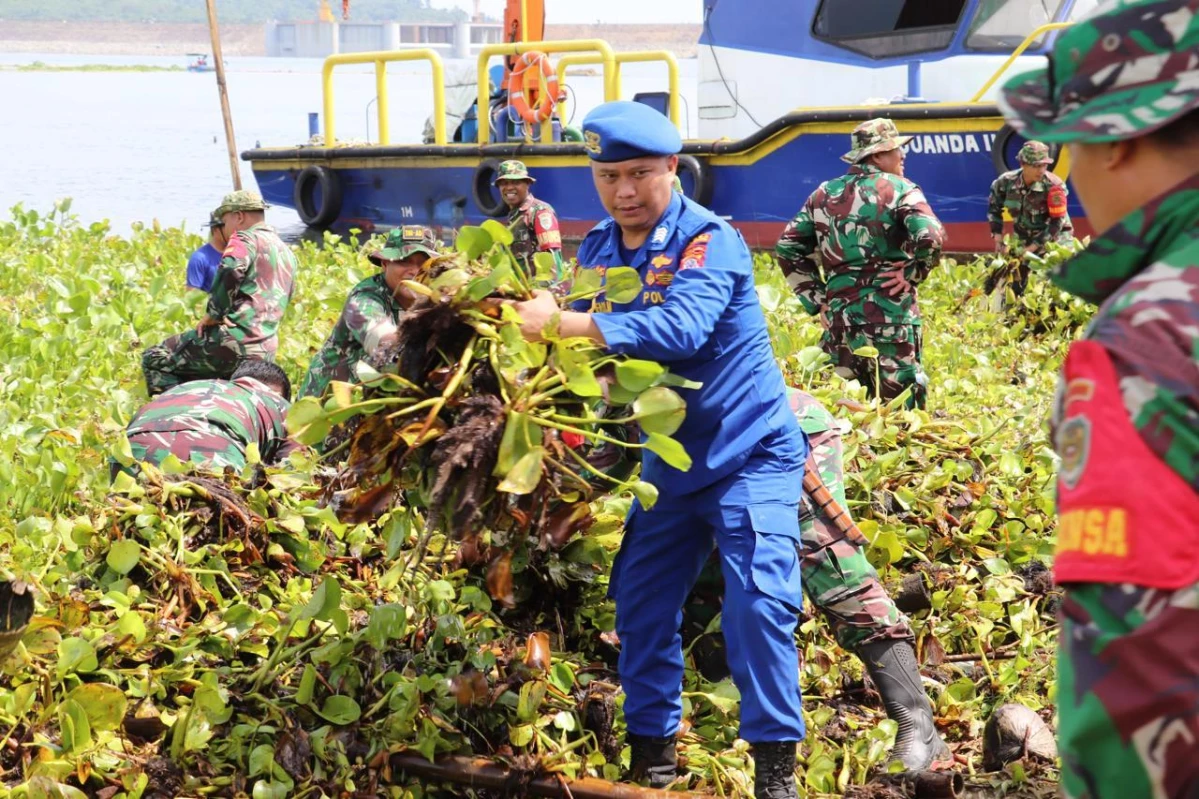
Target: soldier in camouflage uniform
column 1121, row 92
column 877, row 240
column 251, row 291
column 840, row 582
column 1036, row 200
column 534, row 223
column 370, row 319
column 212, row 422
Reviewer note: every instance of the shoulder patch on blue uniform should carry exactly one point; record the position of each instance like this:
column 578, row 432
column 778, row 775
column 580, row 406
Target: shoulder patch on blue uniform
column 660, row 234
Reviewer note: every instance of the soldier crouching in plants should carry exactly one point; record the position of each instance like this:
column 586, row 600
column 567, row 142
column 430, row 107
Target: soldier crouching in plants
column 213, row 422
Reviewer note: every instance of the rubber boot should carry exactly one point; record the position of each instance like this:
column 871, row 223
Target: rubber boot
column 653, row 759
column 774, row 770
column 892, row 666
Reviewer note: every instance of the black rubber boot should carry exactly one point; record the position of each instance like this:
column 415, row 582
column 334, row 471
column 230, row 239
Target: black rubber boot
column 653, row 760
column 892, row 666
column 774, row 770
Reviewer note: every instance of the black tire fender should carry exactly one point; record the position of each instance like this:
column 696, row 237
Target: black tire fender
column 701, row 178
column 483, row 193
column 304, row 197
column 999, row 156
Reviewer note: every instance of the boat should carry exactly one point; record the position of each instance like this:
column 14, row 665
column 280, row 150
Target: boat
column 781, row 86
column 200, row 63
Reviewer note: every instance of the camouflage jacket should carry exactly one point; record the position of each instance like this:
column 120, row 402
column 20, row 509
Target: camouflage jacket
column 535, row 229
column 222, row 413
column 368, row 322
column 1144, row 273
column 253, row 287
column 1029, row 208
column 862, row 224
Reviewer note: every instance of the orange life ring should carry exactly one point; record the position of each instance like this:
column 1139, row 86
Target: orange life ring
column 525, row 82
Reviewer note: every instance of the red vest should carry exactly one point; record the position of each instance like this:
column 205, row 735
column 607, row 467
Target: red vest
column 1124, row 516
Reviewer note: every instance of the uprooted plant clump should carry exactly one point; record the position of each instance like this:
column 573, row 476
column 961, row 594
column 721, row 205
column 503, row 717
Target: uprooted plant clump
column 286, row 632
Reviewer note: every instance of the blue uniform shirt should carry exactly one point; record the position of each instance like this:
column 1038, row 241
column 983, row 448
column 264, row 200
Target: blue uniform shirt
column 699, row 315
column 202, row 267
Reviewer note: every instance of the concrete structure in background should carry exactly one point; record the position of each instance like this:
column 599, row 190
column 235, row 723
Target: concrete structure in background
column 321, row 39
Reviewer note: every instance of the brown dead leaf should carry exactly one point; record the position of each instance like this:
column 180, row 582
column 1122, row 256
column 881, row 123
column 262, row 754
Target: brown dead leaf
column 537, row 652
column 499, row 580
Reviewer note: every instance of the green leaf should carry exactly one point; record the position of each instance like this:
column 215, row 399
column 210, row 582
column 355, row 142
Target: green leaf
column 586, row 281
column 520, row 435
column 388, row 623
column 104, row 704
column 562, row 677
column 499, row 233
column 660, row 410
column 474, row 241
column 565, row 721
column 646, row 493
column 75, row 655
column 576, row 366
column 306, row 421
column 525, row 475
column 325, row 600
column 866, row 352
column 545, row 268
column 340, row 710
column 636, row 375
column 521, row 735
column 669, row 450
column 622, row 284
column 123, row 556
column 528, row 706
column 307, row 685
column 75, row 731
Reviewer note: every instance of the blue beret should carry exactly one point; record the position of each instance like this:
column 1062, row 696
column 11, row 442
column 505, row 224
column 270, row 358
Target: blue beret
column 622, row 130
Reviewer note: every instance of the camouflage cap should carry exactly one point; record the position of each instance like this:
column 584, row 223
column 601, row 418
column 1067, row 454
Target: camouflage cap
column 874, row 136
column 1129, row 68
column 1034, row 153
column 512, row 170
column 403, row 242
column 242, row 200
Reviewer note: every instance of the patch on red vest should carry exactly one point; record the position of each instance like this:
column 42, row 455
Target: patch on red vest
column 1057, row 202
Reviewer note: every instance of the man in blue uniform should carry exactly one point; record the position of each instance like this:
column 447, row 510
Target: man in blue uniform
column 204, row 262
column 699, row 315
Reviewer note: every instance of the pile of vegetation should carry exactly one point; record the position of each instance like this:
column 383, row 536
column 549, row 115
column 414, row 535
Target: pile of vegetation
column 284, row 632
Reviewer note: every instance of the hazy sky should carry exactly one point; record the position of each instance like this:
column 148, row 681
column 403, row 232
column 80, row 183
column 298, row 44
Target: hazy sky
column 580, row 11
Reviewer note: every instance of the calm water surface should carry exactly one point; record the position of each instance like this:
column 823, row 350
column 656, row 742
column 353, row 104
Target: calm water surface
column 136, row 146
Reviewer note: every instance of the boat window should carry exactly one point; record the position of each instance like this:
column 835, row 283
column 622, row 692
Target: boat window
column 1001, row 25
column 888, row 28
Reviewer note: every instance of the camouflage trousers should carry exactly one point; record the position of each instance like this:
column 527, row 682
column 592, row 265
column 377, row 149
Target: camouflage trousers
column 842, row 585
column 1128, row 692
column 898, row 362
column 211, row 355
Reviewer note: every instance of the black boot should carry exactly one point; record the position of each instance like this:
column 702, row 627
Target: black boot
column 653, row 759
column 774, row 770
column 892, row 666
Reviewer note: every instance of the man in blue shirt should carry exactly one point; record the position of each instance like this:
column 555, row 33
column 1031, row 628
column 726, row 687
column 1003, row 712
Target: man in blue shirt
column 204, row 262
column 699, row 315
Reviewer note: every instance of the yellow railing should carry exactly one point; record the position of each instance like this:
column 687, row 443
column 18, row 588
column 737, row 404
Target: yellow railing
column 381, row 59
column 672, row 71
column 606, row 56
column 1024, row 45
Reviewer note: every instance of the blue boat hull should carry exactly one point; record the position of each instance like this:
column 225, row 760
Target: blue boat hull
column 757, row 183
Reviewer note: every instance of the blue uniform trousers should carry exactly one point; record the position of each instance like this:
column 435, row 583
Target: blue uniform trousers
column 752, row 517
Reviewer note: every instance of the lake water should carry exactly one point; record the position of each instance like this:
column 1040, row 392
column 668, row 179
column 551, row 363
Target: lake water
column 137, row 146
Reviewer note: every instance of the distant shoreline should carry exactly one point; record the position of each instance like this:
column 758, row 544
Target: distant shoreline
column 121, row 38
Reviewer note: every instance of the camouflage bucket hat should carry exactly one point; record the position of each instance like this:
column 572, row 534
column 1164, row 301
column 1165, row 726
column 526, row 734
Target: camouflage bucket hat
column 512, row 170
column 240, row 201
column 403, row 242
column 1034, row 153
column 1126, row 70
column 874, row 136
